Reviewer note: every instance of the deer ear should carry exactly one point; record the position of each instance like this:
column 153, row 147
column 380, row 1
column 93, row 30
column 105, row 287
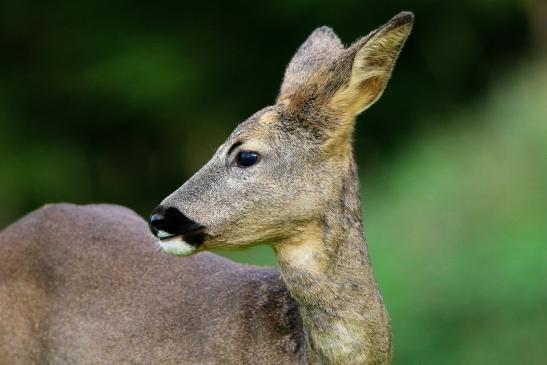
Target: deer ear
column 372, row 59
column 322, row 46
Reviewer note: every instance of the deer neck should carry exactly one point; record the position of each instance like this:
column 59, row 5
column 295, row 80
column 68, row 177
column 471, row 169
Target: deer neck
column 327, row 271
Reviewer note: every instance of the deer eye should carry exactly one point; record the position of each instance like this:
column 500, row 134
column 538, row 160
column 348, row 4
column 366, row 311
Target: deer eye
column 246, row 158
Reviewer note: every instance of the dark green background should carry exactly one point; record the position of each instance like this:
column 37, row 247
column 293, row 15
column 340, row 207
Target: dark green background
column 121, row 101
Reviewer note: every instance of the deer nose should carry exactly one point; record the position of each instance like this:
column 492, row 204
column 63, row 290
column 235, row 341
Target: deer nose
column 168, row 222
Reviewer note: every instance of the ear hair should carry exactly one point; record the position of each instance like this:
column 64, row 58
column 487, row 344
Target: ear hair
column 373, row 57
column 337, row 84
column 322, row 46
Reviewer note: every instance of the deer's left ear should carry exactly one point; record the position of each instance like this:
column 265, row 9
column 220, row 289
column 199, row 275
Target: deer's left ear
column 372, row 59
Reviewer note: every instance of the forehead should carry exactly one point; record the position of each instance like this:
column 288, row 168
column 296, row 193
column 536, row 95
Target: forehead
column 260, row 123
column 280, row 122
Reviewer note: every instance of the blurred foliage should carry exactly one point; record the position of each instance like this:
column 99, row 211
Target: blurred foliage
column 457, row 228
column 120, row 102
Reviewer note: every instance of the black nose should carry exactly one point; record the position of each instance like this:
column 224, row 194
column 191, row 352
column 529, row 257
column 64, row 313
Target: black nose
column 168, row 222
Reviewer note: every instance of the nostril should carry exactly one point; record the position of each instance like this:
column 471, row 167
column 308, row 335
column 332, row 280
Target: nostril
column 157, row 222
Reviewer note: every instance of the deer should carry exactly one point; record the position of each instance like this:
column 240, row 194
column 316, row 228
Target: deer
column 87, row 284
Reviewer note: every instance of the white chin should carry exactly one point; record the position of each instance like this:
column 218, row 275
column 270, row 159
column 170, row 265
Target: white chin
column 176, row 246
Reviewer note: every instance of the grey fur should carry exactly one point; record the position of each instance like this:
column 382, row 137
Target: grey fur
column 87, row 285
column 84, row 284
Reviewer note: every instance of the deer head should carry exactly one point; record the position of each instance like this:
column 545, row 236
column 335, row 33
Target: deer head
column 282, row 167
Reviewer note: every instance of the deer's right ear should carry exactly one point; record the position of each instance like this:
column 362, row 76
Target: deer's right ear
column 372, row 59
column 322, row 46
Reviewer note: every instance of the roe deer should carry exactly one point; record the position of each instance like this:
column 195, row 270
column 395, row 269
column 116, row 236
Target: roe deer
column 87, row 285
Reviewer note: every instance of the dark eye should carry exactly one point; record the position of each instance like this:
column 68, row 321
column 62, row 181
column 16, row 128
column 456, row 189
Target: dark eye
column 246, row 158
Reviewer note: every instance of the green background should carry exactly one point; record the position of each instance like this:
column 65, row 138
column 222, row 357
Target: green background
column 122, row 101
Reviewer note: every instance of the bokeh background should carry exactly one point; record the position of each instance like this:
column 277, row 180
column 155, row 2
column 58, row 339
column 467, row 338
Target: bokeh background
column 122, row 101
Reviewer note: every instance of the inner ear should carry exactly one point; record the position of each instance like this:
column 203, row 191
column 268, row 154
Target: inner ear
column 326, row 87
column 373, row 59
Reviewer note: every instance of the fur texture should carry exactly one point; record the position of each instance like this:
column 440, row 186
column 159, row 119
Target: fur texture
column 84, row 284
column 87, row 285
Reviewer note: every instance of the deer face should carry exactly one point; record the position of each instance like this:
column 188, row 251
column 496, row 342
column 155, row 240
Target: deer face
column 280, row 168
column 261, row 184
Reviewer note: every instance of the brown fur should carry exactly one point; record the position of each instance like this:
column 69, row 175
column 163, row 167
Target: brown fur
column 87, row 285
column 84, row 284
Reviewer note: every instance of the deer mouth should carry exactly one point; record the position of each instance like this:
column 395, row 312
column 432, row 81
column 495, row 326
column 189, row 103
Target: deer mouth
column 181, row 244
column 170, row 226
column 195, row 237
column 176, row 246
